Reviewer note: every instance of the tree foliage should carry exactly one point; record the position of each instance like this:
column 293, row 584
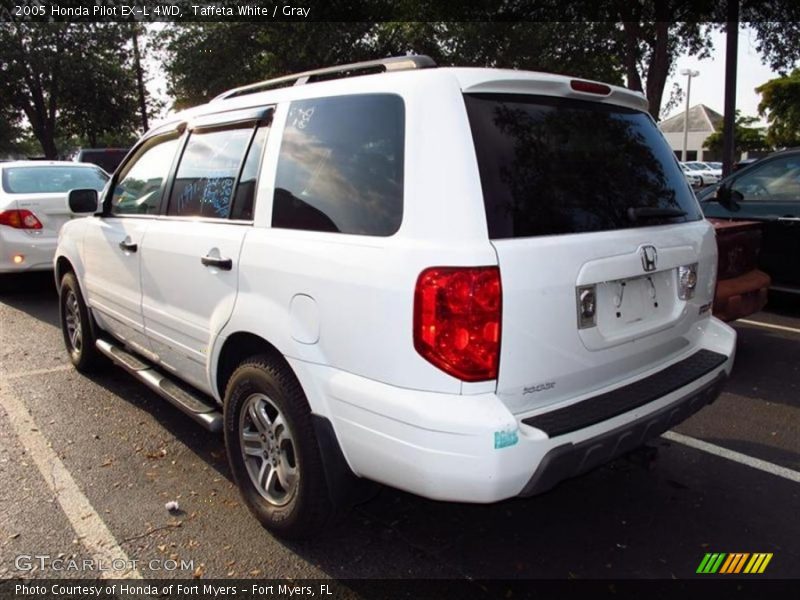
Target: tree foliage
column 747, row 137
column 69, row 79
column 780, row 102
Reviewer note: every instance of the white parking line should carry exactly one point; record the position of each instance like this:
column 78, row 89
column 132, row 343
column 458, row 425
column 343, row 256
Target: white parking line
column 768, row 325
column 89, row 526
column 738, row 457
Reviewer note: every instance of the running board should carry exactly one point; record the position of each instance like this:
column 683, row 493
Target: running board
column 178, row 395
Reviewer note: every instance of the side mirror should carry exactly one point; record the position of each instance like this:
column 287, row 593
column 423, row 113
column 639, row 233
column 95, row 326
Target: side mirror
column 728, row 198
column 82, row 202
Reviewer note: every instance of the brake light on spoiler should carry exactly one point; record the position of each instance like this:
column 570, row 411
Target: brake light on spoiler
column 590, row 87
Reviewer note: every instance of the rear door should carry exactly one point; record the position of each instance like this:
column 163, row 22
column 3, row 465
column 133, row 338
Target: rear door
column 112, row 243
column 591, row 219
column 190, row 257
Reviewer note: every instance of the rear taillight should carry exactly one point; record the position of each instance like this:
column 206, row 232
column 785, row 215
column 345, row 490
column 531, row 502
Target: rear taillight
column 19, row 219
column 457, row 316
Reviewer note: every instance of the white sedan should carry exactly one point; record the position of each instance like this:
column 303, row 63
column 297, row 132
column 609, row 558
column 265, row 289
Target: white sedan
column 693, row 178
column 707, row 174
column 33, row 207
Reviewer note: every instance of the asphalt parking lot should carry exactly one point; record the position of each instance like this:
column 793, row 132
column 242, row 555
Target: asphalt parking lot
column 114, row 453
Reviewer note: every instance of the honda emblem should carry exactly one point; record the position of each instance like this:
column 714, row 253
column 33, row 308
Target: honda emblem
column 649, row 258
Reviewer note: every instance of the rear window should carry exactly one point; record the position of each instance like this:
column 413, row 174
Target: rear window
column 51, row 180
column 553, row 166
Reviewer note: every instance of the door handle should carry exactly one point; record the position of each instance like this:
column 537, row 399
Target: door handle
column 789, row 220
column 223, row 264
column 127, row 246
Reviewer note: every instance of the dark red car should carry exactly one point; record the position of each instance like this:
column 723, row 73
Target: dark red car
column 741, row 286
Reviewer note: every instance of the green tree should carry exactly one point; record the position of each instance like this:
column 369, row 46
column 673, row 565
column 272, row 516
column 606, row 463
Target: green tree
column 610, row 40
column 780, row 103
column 202, row 60
column 71, row 78
column 10, row 130
column 747, row 138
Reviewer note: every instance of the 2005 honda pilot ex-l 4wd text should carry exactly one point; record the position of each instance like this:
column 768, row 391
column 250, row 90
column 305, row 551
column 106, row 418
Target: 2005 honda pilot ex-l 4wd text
column 468, row 284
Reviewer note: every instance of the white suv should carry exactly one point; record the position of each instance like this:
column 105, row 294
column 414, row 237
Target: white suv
column 468, row 284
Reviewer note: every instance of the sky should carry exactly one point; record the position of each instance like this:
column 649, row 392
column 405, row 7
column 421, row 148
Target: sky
column 709, row 87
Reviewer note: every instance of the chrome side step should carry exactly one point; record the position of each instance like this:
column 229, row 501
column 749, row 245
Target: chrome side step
column 197, row 407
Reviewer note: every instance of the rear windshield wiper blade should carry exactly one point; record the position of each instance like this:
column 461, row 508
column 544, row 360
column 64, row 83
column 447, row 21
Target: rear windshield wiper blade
column 649, row 212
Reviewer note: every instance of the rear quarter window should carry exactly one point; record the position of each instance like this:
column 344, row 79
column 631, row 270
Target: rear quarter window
column 557, row 166
column 340, row 167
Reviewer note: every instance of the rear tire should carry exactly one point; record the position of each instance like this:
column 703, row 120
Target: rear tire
column 77, row 327
column 273, row 451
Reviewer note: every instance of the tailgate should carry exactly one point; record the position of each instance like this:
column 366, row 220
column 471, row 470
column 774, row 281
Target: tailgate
column 546, row 357
column 591, row 218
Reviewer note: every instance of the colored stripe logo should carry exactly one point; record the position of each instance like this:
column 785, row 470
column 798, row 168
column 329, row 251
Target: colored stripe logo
column 734, row 563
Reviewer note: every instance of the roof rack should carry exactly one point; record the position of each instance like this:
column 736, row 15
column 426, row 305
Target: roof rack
column 383, row 65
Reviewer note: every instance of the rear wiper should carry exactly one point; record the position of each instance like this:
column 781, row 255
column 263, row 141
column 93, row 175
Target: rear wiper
column 649, row 212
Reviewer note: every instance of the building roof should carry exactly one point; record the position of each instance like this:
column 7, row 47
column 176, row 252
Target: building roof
column 701, row 119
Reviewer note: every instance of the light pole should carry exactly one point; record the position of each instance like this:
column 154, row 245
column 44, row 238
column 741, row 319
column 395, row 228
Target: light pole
column 689, row 74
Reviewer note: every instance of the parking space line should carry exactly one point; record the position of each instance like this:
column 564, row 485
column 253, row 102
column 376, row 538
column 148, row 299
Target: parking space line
column 89, row 526
column 769, row 325
column 738, row 457
column 34, row 372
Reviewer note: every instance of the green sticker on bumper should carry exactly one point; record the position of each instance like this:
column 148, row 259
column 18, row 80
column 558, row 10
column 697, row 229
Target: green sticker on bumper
column 503, row 439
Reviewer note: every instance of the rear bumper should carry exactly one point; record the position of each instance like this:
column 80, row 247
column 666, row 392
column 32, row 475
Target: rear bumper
column 570, row 460
column 37, row 251
column 471, row 448
column 741, row 296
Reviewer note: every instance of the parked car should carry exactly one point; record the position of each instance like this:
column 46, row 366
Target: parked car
column 33, row 207
column 390, row 272
column 742, row 288
column 767, row 191
column 694, row 180
column 706, row 166
column 708, row 176
column 107, row 159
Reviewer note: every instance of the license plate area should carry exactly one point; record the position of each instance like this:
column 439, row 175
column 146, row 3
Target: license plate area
column 635, row 302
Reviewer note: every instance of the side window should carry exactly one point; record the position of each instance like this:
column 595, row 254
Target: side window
column 246, row 189
column 340, row 167
column 206, row 178
column 141, row 181
column 778, row 179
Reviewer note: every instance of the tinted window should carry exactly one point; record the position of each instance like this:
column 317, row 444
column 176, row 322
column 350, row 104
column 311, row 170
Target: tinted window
column 555, row 166
column 141, row 181
column 246, row 190
column 206, row 177
column 341, row 166
column 51, row 180
column 777, row 179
